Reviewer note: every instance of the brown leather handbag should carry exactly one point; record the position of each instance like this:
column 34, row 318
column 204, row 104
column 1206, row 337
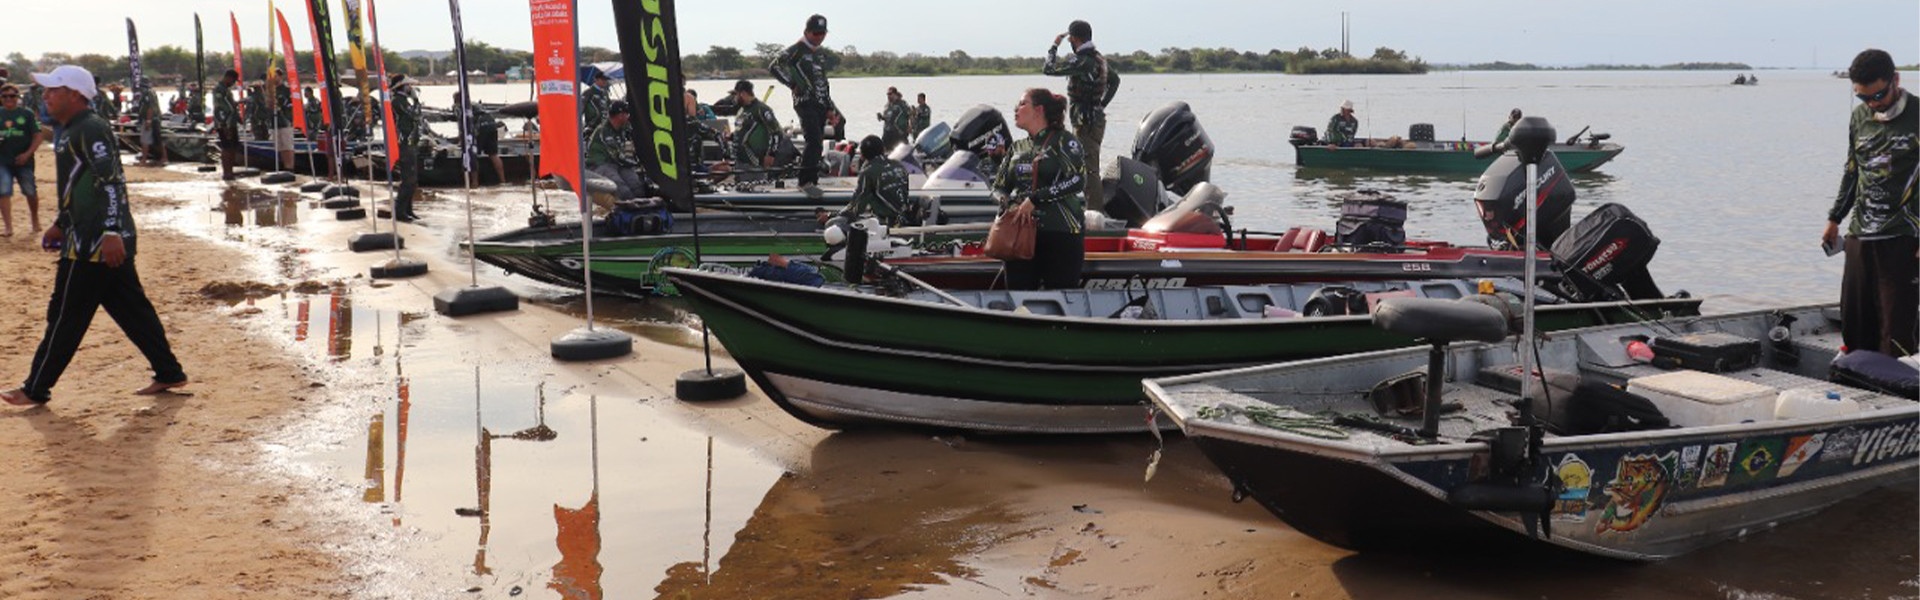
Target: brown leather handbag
column 1011, row 237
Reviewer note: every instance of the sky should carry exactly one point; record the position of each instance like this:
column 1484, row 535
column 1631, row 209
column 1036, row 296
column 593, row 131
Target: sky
column 1762, row 33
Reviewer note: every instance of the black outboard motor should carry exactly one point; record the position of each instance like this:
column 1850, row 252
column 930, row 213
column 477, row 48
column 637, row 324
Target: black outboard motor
column 935, row 144
column 982, row 131
column 1500, row 196
column 1605, row 257
column 1133, row 191
column 1303, row 136
column 1171, row 140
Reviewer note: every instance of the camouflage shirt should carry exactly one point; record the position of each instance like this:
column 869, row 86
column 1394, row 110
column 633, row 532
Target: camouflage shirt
column 594, row 106
column 1878, row 184
column 753, row 132
column 898, row 119
column 881, row 191
column 803, row 69
column 1049, row 169
column 225, row 112
column 607, row 145
column 407, row 121
column 93, row 191
column 1088, row 81
column 922, row 118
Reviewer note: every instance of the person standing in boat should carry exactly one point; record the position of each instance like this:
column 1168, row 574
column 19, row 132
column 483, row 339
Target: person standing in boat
column 1043, row 178
column 226, row 123
column 922, row 118
column 699, row 133
column 486, row 136
column 311, row 106
column 1877, row 287
column 607, row 154
column 259, row 117
column 753, row 134
column 94, row 236
column 895, row 121
column 594, row 101
column 1343, row 128
column 803, row 69
column 281, row 98
column 881, row 190
column 411, row 127
column 196, row 109
column 1507, row 128
column 1091, row 85
column 109, row 108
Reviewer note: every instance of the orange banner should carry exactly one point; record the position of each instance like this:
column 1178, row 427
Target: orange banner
column 386, row 91
column 293, row 73
column 557, row 79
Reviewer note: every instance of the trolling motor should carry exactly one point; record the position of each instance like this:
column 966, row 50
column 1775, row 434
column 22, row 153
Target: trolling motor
column 1514, row 452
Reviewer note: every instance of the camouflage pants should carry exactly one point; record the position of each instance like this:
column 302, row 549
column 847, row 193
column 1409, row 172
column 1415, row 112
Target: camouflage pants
column 1091, row 133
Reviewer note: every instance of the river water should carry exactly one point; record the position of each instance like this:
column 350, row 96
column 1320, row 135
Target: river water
column 491, row 476
column 1735, row 180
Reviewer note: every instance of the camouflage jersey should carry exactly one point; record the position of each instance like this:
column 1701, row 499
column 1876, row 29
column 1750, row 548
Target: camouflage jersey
column 1090, row 84
column 93, row 192
column 803, row 69
column 283, row 116
column 196, row 110
column 1878, row 185
column 226, row 113
column 607, row 145
column 594, row 107
column 922, row 118
column 1342, row 128
column 407, row 121
column 881, row 191
column 1048, row 168
column 753, row 133
column 898, row 119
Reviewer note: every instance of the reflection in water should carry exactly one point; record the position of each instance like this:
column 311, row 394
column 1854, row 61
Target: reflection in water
column 577, row 575
column 376, row 477
column 245, row 206
column 663, row 320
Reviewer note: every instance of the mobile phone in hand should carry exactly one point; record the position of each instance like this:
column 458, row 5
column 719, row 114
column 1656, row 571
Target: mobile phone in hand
column 1832, row 246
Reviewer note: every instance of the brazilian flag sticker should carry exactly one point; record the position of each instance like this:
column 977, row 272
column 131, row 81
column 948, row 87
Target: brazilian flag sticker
column 1757, row 460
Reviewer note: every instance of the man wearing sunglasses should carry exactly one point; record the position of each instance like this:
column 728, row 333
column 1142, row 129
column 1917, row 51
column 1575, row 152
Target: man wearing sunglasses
column 20, row 137
column 1878, row 286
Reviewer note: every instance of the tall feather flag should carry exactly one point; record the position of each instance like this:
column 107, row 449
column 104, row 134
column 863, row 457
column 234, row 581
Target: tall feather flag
column 355, row 51
column 386, row 89
column 236, row 56
column 293, row 73
column 557, row 79
column 199, row 63
column 138, row 78
column 650, row 51
column 321, row 26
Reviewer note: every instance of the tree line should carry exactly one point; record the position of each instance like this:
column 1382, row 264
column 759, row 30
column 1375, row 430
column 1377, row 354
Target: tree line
column 1682, row 66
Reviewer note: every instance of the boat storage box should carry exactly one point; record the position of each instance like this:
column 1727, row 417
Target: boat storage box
column 1712, row 351
column 1693, row 398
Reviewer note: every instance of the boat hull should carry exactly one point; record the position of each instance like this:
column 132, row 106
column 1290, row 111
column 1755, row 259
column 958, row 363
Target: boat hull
column 1443, row 157
column 837, row 358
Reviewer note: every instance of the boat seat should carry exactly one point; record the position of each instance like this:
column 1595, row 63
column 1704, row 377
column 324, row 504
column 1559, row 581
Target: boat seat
column 1308, row 240
column 1440, row 321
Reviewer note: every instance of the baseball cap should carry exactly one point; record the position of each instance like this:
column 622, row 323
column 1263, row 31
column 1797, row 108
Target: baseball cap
column 399, row 81
column 70, row 77
column 1348, row 105
column 743, row 86
column 618, row 107
column 816, row 24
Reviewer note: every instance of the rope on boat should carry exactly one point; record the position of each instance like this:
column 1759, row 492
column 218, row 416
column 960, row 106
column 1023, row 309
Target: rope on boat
column 1312, row 426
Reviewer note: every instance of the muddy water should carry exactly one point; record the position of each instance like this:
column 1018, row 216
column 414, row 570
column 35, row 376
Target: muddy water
column 493, row 475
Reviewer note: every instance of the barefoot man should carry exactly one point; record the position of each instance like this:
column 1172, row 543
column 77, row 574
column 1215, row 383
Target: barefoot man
column 95, row 238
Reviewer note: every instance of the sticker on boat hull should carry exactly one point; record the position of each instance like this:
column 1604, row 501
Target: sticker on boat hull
column 1635, row 494
column 1799, row 451
column 1576, row 480
column 1717, row 464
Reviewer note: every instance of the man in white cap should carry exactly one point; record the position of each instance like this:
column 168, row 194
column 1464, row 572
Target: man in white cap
column 94, row 235
column 1342, row 128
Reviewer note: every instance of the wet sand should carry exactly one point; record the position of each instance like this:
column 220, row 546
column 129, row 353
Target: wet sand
column 105, row 494
column 346, row 442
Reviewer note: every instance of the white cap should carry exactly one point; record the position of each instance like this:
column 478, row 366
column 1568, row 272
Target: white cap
column 1348, row 105
column 70, row 77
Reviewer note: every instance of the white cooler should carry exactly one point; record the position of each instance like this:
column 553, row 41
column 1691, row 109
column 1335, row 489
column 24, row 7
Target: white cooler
column 1694, row 398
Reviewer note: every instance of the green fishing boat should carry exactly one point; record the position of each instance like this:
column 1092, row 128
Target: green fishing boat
column 1429, row 156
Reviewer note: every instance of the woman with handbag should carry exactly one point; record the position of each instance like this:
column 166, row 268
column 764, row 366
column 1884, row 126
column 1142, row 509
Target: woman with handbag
column 1040, row 185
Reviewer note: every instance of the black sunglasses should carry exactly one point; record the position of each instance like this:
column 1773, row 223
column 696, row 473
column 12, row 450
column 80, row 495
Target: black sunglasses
column 1877, row 96
column 9, row 95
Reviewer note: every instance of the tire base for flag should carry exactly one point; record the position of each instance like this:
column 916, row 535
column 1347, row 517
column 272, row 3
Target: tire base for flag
column 340, row 190
column 339, row 203
column 701, row 385
column 313, row 186
column 350, row 214
column 473, row 300
column 276, row 177
column 245, row 172
column 591, row 344
column 365, row 242
column 206, row 169
column 399, row 268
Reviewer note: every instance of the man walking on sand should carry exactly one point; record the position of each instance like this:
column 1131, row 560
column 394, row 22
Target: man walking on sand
column 95, row 237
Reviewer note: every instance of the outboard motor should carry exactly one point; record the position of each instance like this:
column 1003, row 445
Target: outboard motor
column 1500, row 195
column 725, row 106
column 1605, row 257
column 1133, row 191
column 1303, row 136
column 908, row 159
column 963, row 170
column 1171, row 140
column 982, row 131
column 1200, row 213
column 935, row 144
